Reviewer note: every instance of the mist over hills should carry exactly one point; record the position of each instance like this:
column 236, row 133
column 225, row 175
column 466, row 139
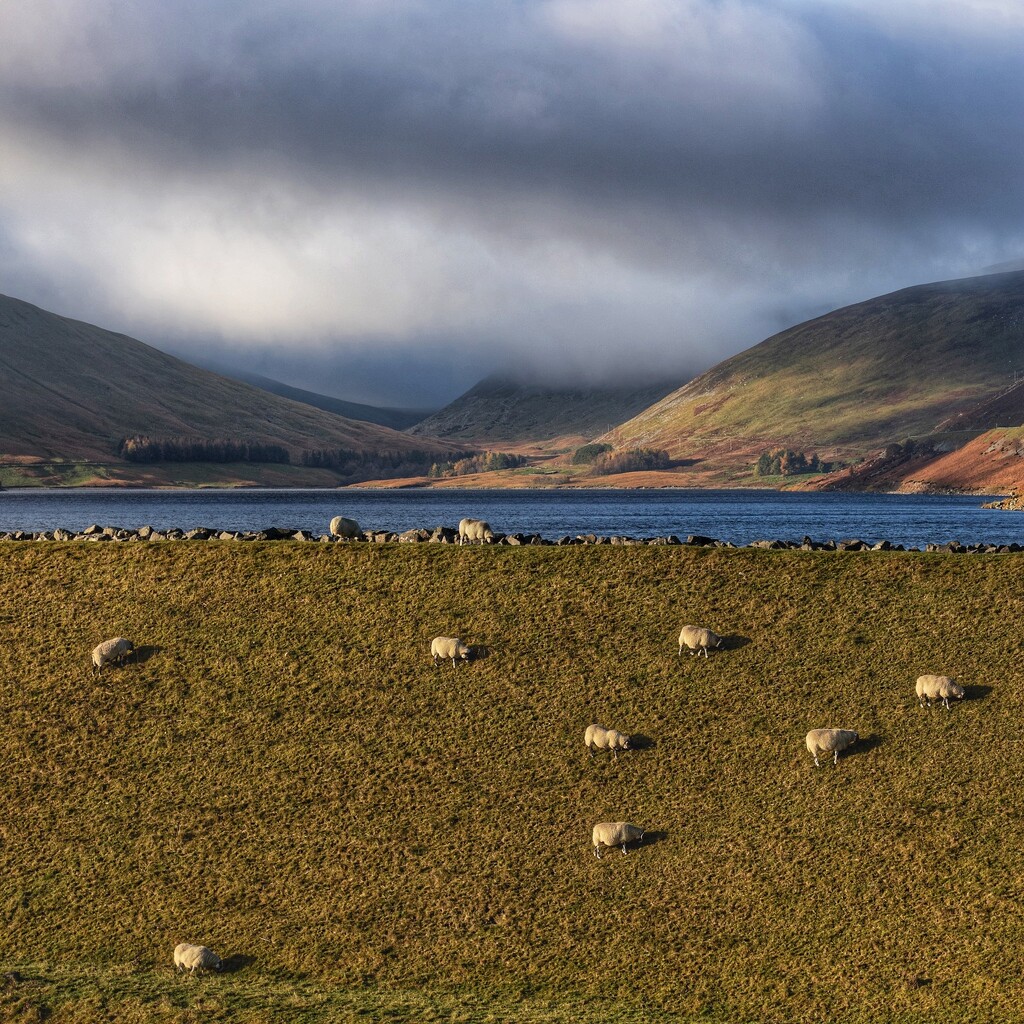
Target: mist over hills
column 396, row 419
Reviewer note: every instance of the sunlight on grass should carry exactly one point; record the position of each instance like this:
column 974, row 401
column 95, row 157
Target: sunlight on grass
column 285, row 776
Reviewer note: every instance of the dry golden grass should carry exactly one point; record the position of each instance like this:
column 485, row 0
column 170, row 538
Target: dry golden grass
column 285, row 776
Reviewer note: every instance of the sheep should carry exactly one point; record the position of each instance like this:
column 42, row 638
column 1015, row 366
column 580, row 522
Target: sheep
column 616, row 833
column 599, row 738
column 931, row 688
column 195, row 958
column 698, row 639
column 347, row 528
column 475, row 529
column 830, row 741
column 116, row 649
column 448, row 647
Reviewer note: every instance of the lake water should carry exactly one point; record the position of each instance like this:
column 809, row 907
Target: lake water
column 736, row 516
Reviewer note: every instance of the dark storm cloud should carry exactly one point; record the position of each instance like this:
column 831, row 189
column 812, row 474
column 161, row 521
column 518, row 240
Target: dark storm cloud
column 573, row 183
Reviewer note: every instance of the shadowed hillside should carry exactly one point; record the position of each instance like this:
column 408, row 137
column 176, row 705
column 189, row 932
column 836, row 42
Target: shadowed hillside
column 500, row 409
column 72, row 391
column 855, row 379
column 365, row 836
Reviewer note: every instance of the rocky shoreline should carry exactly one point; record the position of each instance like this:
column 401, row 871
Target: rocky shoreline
column 448, row 535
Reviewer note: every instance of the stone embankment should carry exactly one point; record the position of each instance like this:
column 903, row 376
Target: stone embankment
column 447, row 535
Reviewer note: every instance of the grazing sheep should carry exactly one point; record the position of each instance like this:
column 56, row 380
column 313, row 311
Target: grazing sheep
column 448, row 647
column 116, row 649
column 615, row 833
column 195, row 958
column 475, row 529
column 599, row 738
column 698, row 639
column 347, row 528
column 931, row 688
column 830, row 741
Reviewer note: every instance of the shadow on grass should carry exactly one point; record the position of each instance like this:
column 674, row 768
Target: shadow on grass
column 734, row 642
column 638, row 741
column 144, row 653
column 478, row 652
column 650, row 838
column 977, row 692
column 236, row 962
column 863, row 745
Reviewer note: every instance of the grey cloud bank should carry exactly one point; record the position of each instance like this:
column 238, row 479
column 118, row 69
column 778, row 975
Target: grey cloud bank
column 387, row 201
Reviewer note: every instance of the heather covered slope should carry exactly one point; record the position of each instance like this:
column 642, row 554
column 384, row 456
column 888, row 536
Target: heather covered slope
column 285, row 776
column 855, row 379
column 72, row 391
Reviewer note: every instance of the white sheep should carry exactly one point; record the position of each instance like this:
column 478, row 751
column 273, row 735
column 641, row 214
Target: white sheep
column 830, row 741
column 942, row 688
column 448, row 647
column 475, row 529
column 597, row 737
column 347, row 528
column 116, row 649
column 188, row 957
column 616, row 833
column 698, row 639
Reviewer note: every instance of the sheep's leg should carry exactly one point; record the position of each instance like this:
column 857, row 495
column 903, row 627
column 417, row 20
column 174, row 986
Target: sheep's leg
column 623, row 849
column 816, row 764
column 597, row 851
column 835, row 758
column 945, row 700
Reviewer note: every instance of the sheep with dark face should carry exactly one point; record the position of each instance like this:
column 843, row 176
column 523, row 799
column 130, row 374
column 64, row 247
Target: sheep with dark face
column 698, row 639
column 116, row 650
column 615, row 833
column 942, row 688
column 830, row 741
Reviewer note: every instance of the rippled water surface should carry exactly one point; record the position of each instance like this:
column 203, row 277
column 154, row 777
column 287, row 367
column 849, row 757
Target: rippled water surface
column 736, row 516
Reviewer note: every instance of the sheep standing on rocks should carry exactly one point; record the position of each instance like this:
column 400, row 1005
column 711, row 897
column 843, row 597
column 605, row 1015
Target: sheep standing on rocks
column 475, row 529
column 116, row 649
column 942, row 688
column 830, row 741
column 698, row 639
column 599, row 738
column 616, row 833
column 188, row 957
column 346, row 528
column 448, row 647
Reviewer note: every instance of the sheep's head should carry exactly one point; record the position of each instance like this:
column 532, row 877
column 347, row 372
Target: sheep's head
column 625, row 743
column 956, row 690
column 463, row 652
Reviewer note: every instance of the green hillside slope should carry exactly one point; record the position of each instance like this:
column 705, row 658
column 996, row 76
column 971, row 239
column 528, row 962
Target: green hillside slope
column 285, row 777
column 69, row 390
column 859, row 377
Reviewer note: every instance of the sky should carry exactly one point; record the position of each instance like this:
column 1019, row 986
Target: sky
column 387, row 200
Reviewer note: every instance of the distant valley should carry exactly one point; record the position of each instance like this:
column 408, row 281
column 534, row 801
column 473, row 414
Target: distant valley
column 919, row 390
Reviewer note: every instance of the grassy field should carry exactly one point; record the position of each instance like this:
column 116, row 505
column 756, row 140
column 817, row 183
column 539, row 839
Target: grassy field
column 285, row 777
